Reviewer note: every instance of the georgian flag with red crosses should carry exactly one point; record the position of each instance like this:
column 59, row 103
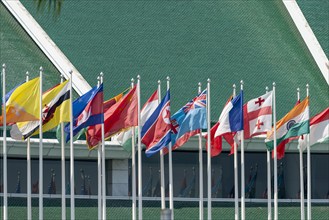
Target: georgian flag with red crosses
column 258, row 116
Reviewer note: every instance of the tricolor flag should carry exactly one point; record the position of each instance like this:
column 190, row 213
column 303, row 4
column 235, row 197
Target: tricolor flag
column 117, row 117
column 189, row 120
column 295, row 123
column 231, row 118
column 156, row 130
column 319, row 129
column 23, row 103
column 56, row 102
column 87, row 111
column 258, row 116
column 125, row 138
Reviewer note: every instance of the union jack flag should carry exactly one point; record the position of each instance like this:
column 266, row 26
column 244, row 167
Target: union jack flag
column 198, row 102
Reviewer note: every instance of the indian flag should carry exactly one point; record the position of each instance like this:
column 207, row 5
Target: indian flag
column 319, row 129
column 293, row 124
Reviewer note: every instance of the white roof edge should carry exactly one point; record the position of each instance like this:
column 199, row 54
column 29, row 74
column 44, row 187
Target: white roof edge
column 309, row 37
column 48, row 47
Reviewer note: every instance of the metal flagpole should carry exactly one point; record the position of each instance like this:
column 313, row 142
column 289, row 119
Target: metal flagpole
column 133, row 167
column 72, row 185
column 40, row 152
column 275, row 158
column 4, row 149
column 236, row 186
column 309, row 188
column 99, row 176
column 103, row 165
column 140, row 205
column 243, row 208
column 200, row 169
column 269, row 191
column 171, row 188
column 301, row 176
column 63, row 165
column 28, row 161
column 209, row 150
column 162, row 177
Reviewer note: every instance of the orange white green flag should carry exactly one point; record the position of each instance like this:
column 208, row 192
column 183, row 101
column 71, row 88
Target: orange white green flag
column 294, row 123
column 23, row 103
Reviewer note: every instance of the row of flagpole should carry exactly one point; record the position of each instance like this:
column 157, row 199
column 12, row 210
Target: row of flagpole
column 101, row 165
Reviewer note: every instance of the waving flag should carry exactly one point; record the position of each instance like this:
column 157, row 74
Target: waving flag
column 258, row 116
column 156, row 130
column 23, row 103
column 231, row 118
column 188, row 121
column 319, row 129
column 118, row 117
column 293, row 124
column 87, row 111
column 125, row 138
column 56, row 102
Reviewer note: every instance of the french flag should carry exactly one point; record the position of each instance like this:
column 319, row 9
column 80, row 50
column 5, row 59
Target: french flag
column 231, row 118
column 156, row 130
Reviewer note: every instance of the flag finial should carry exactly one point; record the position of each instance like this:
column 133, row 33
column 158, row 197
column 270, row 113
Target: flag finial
column 132, row 80
column 101, row 74
column 298, row 89
column 241, row 82
column 199, row 84
column 208, row 80
column 234, row 86
column 159, row 82
column 71, row 72
column 27, row 73
column 41, row 68
column 4, row 66
column 138, row 77
column 273, row 84
column 168, row 78
column 266, row 88
column 307, row 86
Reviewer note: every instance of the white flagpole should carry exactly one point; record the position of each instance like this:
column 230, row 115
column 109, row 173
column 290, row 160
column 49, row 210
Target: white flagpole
column 209, row 150
column 103, row 166
column 200, row 169
column 133, row 167
column 63, row 165
column 99, row 174
column 269, row 190
column 162, row 177
column 171, row 188
column 236, row 186
column 140, row 205
column 71, row 152
column 243, row 208
column 309, row 188
column 301, row 176
column 4, row 149
column 275, row 158
column 40, row 153
column 28, row 158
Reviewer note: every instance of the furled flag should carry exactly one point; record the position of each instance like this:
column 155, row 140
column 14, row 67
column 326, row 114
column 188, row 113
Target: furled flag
column 231, row 118
column 156, row 130
column 294, row 123
column 56, row 102
column 118, row 117
column 23, row 103
column 189, row 120
column 258, row 116
column 87, row 111
column 125, row 138
column 216, row 142
column 319, row 129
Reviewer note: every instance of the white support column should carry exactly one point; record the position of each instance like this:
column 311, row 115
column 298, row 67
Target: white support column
column 4, row 147
column 200, row 169
column 40, row 153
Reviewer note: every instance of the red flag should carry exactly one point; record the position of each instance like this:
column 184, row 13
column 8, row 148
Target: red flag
column 119, row 116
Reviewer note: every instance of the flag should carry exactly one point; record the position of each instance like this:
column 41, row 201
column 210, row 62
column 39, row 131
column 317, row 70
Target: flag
column 294, row 123
column 117, row 117
column 23, row 103
column 319, row 129
column 258, row 116
column 11, row 91
column 87, row 111
column 125, row 138
column 189, row 120
column 216, row 142
column 156, row 130
column 231, row 118
column 56, row 102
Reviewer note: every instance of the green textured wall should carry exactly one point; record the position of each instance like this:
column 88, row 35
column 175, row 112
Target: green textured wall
column 190, row 41
column 21, row 54
column 316, row 13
